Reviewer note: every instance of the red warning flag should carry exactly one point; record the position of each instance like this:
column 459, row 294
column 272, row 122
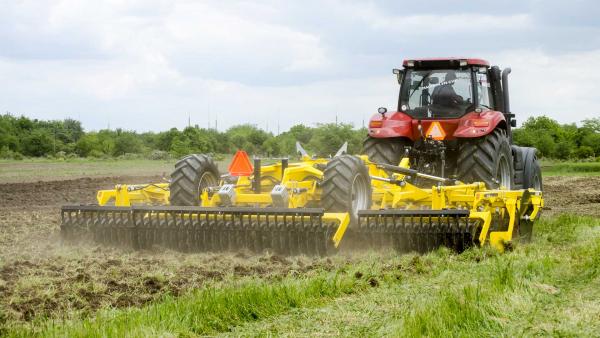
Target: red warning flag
column 241, row 165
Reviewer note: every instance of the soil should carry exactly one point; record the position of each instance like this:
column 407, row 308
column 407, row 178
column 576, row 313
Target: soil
column 42, row 277
column 579, row 195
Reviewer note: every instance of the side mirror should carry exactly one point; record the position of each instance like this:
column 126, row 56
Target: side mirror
column 382, row 110
column 513, row 123
column 399, row 74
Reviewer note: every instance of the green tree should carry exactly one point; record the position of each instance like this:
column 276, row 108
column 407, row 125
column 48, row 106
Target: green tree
column 38, row 143
column 126, row 142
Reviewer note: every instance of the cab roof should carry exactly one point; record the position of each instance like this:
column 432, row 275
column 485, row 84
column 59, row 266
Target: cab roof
column 450, row 62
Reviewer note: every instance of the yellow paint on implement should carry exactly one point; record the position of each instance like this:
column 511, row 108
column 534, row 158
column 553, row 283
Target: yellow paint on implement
column 503, row 208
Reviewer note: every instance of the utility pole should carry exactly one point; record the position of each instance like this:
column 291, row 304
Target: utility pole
column 216, row 125
column 189, row 120
column 336, row 119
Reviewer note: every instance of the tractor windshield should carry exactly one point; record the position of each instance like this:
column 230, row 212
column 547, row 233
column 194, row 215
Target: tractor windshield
column 438, row 93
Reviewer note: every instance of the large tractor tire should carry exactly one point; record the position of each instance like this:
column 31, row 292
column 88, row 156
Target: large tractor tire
column 487, row 159
column 532, row 178
column 346, row 186
column 385, row 150
column 192, row 174
column 532, row 172
column 528, row 173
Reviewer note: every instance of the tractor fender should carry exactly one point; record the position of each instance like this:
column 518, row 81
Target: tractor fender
column 390, row 124
column 479, row 124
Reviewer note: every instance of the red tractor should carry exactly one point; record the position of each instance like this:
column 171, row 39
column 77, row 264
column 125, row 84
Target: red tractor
column 454, row 120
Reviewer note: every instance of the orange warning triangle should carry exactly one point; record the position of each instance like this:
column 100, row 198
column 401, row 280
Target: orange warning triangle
column 240, row 164
column 435, row 131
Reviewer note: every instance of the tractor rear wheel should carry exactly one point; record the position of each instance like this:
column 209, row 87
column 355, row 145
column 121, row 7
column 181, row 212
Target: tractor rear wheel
column 385, row 150
column 487, row 159
column 346, row 186
column 192, row 174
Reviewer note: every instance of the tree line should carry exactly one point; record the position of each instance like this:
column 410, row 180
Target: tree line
column 24, row 137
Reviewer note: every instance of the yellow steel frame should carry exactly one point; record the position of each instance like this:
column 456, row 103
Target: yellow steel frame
column 301, row 181
column 124, row 195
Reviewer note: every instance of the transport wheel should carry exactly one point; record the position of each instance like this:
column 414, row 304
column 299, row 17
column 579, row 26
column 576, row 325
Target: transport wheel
column 487, row 159
column 346, row 186
column 385, row 150
column 192, row 174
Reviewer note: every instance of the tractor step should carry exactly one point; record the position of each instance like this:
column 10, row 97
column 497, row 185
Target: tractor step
column 203, row 229
column 417, row 230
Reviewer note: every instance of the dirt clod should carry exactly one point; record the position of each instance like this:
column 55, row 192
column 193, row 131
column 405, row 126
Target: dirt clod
column 373, row 282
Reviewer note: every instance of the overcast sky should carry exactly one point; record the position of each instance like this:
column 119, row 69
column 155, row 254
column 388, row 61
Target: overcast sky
column 148, row 65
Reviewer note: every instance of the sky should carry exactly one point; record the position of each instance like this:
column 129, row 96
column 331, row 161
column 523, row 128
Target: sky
column 151, row 65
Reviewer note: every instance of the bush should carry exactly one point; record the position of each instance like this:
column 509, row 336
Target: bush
column 584, row 152
column 7, row 154
column 96, row 154
column 158, row 155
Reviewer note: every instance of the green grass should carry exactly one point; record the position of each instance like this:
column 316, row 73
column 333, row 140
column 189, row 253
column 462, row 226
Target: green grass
column 550, row 287
column 556, row 168
column 39, row 169
column 31, row 170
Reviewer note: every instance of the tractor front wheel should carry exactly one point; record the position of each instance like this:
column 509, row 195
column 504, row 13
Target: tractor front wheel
column 192, row 174
column 487, row 159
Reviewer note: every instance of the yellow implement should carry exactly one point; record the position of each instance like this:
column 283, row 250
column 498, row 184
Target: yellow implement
column 306, row 207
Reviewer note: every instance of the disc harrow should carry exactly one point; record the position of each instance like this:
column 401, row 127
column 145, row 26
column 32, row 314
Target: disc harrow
column 418, row 230
column 201, row 229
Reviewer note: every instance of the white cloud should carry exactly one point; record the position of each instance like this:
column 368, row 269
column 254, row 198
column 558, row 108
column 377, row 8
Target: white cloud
column 564, row 87
column 148, row 64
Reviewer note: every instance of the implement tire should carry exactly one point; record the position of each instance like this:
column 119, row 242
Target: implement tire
column 192, row 174
column 487, row 159
column 385, row 150
column 346, row 186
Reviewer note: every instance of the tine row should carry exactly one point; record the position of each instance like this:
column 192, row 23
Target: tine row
column 198, row 231
column 421, row 233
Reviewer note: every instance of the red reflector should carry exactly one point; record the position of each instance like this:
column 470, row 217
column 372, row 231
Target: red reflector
column 481, row 123
column 375, row 124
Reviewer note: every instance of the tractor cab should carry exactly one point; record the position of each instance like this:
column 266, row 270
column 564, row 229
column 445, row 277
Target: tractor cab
column 446, row 88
